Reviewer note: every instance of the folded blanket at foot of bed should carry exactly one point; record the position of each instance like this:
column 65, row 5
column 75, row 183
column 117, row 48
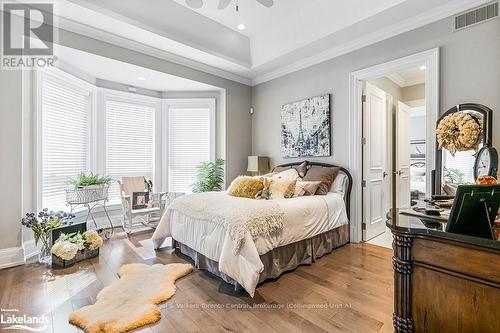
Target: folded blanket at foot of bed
column 237, row 215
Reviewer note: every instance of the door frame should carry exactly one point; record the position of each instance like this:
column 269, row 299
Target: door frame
column 431, row 60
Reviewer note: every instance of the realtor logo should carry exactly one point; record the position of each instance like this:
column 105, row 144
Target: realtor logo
column 27, row 35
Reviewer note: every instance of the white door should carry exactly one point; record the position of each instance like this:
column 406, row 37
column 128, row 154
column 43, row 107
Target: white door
column 375, row 175
column 403, row 156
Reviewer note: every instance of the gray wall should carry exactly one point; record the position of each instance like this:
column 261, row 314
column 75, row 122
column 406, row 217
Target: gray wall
column 238, row 124
column 412, row 93
column 10, row 158
column 469, row 72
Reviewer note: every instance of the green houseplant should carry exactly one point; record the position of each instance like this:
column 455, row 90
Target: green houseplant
column 84, row 180
column 210, row 176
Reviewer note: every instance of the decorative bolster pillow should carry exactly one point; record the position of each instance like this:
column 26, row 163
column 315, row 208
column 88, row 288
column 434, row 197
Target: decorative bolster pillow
column 246, row 187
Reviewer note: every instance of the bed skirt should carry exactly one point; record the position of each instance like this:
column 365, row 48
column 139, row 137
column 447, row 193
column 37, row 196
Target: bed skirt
column 281, row 259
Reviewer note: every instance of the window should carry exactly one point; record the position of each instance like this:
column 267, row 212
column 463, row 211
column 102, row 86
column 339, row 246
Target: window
column 129, row 141
column 82, row 128
column 65, row 119
column 190, row 141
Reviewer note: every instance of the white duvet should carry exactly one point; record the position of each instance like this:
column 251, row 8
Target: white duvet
column 304, row 218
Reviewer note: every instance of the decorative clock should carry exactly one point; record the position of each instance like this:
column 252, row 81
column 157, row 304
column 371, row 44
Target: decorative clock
column 486, row 162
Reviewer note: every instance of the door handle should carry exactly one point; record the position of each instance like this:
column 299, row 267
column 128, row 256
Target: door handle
column 384, row 174
column 398, row 172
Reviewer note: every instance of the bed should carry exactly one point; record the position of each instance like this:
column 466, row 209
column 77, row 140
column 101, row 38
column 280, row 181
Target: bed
column 312, row 227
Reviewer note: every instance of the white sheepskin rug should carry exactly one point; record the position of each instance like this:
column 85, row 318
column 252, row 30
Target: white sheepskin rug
column 131, row 301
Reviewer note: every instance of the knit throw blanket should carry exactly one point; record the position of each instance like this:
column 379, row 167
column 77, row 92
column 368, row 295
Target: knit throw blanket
column 237, row 215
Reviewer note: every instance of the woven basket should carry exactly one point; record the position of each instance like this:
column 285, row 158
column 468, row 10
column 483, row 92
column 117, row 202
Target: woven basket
column 80, row 255
column 87, row 194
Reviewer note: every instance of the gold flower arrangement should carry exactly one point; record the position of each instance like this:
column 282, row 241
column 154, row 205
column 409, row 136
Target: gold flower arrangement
column 459, row 132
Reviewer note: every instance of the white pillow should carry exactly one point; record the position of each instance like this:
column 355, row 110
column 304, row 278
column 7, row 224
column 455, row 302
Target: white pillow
column 290, row 174
column 339, row 184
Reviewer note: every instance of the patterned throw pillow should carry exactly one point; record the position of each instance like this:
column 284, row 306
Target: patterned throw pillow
column 246, row 187
column 303, row 188
column 281, row 189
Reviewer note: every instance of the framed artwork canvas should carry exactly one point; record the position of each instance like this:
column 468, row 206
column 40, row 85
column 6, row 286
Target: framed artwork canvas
column 305, row 127
column 140, row 200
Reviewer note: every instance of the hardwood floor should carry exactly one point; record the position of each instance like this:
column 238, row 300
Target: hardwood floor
column 349, row 290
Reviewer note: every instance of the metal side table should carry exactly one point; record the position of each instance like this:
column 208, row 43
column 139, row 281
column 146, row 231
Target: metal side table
column 91, row 197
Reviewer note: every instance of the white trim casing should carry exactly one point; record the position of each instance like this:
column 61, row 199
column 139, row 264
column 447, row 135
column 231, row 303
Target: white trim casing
column 10, row 257
column 431, row 59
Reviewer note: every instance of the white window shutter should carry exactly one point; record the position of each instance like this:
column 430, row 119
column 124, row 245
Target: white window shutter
column 129, row 142
column 65, row 139
column 189, row 141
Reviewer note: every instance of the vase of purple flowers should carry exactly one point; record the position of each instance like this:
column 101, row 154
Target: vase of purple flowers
column 42, row 225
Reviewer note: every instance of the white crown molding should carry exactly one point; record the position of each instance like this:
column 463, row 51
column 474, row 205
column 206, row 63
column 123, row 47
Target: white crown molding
column 415, row 22
column 13, row 256
column 401, row 82
column 438, row 13
column 397, row 79
column 88, row 31
column 413, row 82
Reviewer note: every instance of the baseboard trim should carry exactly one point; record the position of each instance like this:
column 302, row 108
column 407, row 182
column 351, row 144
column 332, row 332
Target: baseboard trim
column 11, row 257
column 30, row 249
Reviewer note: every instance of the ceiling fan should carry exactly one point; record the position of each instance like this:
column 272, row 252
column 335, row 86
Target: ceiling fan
column 224, row 3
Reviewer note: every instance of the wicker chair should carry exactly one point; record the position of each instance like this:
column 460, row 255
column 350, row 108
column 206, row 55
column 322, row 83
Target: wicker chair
column 147, row 216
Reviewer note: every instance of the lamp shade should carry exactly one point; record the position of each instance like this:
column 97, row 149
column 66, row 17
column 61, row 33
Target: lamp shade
column 258, row 164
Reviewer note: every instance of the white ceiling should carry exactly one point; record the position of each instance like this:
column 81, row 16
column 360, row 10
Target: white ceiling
column 90, row 67
column 290, row 24
column 291, row 35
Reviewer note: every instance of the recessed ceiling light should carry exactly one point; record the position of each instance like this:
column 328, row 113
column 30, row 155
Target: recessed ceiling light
column 142, row 78
column 241, row 26
column 423, row 67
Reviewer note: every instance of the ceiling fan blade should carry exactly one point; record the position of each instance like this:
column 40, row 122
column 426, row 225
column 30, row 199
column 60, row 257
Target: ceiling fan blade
column 267, row 3
column 223, row 4
column 195, row 3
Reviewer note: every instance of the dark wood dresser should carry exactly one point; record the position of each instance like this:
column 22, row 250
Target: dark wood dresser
column 443, row 282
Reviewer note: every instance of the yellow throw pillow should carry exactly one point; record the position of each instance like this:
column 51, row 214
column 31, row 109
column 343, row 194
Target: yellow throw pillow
column 281, row 189
column 246, row 187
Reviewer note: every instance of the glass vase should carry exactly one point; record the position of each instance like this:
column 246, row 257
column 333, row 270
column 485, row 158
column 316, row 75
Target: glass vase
column 45, row 254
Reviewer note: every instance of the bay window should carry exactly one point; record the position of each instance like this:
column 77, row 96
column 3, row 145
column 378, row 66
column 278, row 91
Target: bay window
column 83, row 128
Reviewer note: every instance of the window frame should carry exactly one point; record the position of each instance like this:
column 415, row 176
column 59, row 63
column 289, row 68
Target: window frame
column 105, row 95
column 185, row 103
column 60, row 77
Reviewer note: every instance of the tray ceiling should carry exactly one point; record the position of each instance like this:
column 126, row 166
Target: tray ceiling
column 291, row 35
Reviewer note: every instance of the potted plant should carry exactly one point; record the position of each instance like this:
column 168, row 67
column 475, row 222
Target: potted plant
column 87, row 188
column 210, row 176
column 71, row 248
column 42, row 225
column 84, row 180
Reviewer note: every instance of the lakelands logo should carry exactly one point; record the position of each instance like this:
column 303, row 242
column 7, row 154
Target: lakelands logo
column 11, row 319
column 27, row 35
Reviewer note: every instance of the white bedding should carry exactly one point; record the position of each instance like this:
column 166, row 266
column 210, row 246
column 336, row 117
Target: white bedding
column 304, row 218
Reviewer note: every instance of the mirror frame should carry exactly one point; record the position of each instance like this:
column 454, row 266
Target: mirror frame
column 487, row 114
